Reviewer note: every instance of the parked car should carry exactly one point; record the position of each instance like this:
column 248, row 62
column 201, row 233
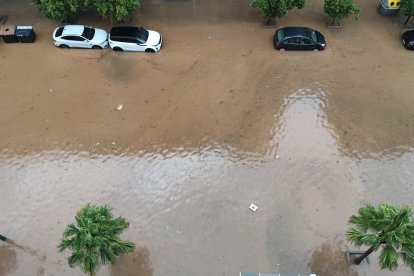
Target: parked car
column 408, row 39
column 80, row 36
column 130, row 38
column 298, row 38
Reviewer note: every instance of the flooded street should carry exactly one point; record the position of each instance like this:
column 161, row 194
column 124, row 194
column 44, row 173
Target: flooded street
column 213, row 122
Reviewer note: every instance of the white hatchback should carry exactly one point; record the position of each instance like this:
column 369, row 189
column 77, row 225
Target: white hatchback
column 80, row 36
column 130, row 38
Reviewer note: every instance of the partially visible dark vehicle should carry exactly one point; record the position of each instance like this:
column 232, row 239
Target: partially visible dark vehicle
column 408, row 40
column 298, row 38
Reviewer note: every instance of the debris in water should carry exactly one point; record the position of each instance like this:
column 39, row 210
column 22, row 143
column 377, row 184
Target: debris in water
column 277, row 156
column 253, row 207
column 119, row 107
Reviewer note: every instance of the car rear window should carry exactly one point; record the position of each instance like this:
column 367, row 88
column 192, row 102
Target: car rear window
column 59, row 31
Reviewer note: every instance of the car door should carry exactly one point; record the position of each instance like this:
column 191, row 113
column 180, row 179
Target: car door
column 140, row 45
column 119, row 42
column 308, row 44
column 74, row 41
column 292, row 43
column 84, row 42
column 131, row 44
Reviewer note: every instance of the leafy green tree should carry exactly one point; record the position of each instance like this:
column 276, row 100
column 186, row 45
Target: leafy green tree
column 116, row 9
column 340, row 9
column 61, row 10
column 388, row 227
column 56, row 10
column 94, row 240
column 276, row 8
column 407, row 7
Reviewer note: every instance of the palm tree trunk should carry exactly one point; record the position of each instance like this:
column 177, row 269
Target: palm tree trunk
column 358, row 260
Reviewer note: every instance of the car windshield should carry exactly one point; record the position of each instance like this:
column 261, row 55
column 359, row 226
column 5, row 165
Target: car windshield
column 312, row 34
column 142, row 35
column 88, row 33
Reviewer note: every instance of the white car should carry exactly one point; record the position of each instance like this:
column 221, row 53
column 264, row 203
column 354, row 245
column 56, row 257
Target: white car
column 130, row 38
column 80, row 36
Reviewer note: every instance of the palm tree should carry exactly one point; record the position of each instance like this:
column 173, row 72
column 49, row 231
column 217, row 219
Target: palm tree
column 94, row 240
column 388, row 227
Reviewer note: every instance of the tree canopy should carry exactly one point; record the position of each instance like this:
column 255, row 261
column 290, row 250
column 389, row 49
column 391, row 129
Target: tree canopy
column 386, row 227
column 95, row 239
column 61, row 10
column 340, row 9
column 407, row 7
column 276, row 8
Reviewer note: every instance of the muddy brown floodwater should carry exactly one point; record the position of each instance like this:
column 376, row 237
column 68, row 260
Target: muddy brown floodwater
column 215, row 121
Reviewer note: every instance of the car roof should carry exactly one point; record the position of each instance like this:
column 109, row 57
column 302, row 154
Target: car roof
column 130, row 31
column 73, row 29
column 297, row 31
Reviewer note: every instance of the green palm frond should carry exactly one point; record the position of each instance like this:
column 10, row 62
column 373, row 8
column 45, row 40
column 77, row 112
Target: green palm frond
column 94, row 240
column 360, row 238
column 386, row 227
column 388, row 258
column 407, row 255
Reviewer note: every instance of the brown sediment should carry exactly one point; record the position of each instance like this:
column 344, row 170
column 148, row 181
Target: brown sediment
column 329, row 259
column 135, row 263
column 7, row 259
column 202, row 87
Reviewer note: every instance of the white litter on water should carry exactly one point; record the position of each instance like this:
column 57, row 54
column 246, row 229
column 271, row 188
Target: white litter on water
column 253, row 207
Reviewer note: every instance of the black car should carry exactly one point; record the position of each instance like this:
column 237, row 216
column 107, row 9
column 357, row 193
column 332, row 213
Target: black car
column 408, row 40
column 298, row 38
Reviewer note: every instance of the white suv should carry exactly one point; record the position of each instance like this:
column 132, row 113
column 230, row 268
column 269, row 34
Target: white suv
column 80, row 36
column 130, row 38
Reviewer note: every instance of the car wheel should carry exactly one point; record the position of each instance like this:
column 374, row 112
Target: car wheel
column 63, row 46
column 149, row 50
column 96, row 47
column 282, row 49
column 117, row 49
column 316, row 50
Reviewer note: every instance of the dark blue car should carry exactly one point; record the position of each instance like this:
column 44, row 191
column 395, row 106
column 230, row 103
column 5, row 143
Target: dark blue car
column 298, row 38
